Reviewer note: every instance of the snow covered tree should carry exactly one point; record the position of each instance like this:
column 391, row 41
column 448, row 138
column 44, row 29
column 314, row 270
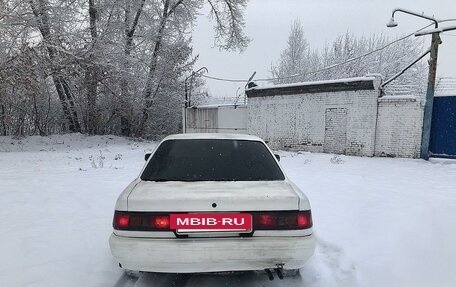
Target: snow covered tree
column 113, row 66
column 350, row 56
column 293, row 57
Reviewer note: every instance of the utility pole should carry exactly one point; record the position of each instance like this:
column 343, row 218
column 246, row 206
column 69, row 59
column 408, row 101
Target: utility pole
column 429, row 103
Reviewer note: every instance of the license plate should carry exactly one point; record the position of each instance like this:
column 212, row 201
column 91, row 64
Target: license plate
column 211, row 222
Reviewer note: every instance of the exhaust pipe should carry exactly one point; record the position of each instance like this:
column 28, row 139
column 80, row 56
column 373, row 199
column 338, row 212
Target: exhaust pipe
column 279, row 271
column 269, row 273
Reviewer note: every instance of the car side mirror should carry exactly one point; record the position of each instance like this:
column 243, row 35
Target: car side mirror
column 277, row 157
column 147, row 155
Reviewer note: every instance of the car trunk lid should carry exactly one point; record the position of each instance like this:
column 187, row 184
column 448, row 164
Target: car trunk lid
column 208, row 196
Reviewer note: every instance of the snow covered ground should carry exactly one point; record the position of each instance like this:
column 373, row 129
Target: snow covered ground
column 378, row 221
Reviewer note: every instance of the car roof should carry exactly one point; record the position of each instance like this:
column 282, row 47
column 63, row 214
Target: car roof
column 213, row 136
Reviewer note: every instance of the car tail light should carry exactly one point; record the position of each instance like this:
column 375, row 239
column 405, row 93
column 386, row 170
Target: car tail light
column 304, row 220
column 262, row 220
column 140, row 221
column 121, row 221
column 160, row 222
column 282, row 220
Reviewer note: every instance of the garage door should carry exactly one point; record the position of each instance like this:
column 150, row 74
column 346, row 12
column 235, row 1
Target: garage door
column 335, row 130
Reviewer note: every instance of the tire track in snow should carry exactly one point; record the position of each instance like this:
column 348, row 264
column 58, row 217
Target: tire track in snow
column 329, row 266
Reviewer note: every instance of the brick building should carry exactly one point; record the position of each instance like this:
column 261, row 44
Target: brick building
column 345, row 116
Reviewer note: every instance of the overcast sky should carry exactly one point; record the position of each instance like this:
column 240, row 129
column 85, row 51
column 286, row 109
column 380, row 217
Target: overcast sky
column 268, row 23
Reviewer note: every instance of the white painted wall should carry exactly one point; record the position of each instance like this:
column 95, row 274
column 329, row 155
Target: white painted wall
column 298, row 122
column 349, row 122
column 399, row 127
column 217, row 119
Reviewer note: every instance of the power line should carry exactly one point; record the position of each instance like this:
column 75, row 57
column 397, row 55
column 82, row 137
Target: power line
column 322, row 69
column 225, row 80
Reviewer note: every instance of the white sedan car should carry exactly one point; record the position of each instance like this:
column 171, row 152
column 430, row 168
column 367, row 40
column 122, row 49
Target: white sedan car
column 212, row 203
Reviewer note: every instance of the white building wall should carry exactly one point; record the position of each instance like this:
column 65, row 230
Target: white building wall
column 399, row 127
column 348, row 122
column 298, row 122
column 217, row 119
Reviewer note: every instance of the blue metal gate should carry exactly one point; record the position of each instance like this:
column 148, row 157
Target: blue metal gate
column 443, row 128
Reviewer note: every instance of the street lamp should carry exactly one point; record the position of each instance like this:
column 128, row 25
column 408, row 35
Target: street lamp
column 391, row 23
column 188, row 93
column 428, row 105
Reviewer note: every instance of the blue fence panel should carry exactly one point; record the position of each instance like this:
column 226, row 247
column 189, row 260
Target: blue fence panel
column 443, row 132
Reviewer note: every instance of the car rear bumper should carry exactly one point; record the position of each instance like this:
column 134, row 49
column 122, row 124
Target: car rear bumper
column 211, row 254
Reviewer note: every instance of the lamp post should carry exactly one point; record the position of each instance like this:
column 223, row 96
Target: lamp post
column 188, row 93
column 429, row 103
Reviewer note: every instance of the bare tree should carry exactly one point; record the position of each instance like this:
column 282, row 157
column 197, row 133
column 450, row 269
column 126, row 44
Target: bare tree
column 293, row 57
column 229, row 35
column 348, row 56
column 102, row 66
column 40, row 9
column 91, row 72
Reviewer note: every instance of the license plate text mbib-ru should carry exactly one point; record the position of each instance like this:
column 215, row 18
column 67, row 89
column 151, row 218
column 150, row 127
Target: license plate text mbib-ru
column 203, row 222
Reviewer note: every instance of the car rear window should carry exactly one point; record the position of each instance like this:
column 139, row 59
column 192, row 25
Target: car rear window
column 212, row 160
